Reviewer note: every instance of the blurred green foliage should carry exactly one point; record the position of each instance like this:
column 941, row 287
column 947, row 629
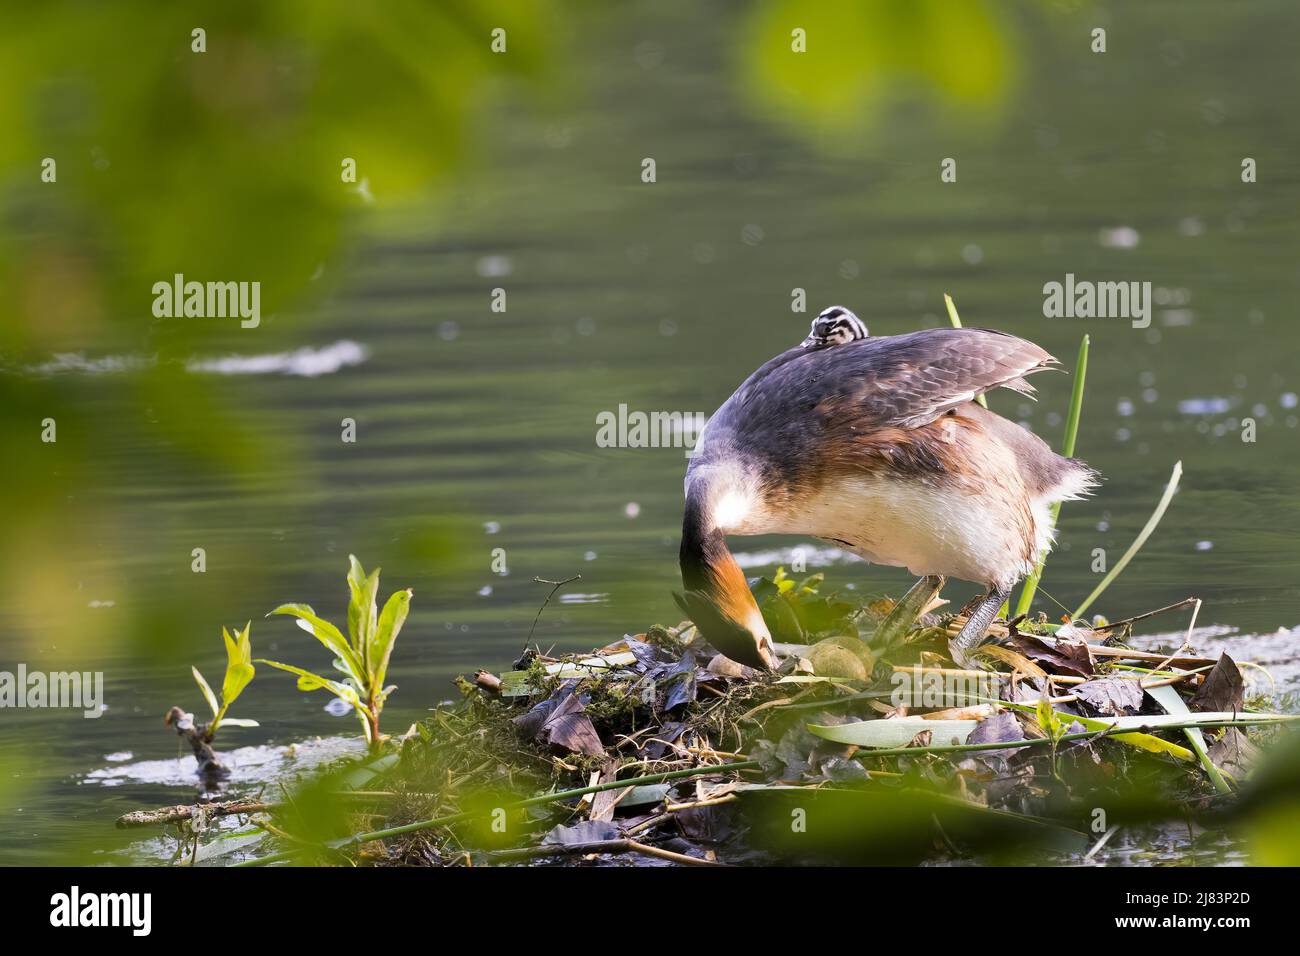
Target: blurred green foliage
column 796, row 611
column 861, row 56
column 224, row 164
column 220, row 165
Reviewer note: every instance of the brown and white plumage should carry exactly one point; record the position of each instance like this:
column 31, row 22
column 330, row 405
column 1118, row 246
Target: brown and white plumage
column 877, row 444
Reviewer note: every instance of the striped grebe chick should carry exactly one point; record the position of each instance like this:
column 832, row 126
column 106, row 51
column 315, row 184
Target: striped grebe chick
column 877, row 445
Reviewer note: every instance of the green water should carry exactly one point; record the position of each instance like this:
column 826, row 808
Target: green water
column 476, row 430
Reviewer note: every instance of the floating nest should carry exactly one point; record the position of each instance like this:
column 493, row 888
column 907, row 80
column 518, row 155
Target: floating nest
column 875, row 742
column 870, row 744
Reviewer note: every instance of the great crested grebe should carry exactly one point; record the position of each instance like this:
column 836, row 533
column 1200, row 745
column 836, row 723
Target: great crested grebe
column 878, row 445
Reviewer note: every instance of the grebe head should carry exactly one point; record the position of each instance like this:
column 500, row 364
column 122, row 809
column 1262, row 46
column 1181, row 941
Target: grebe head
column 834, row 326
column 717, row 598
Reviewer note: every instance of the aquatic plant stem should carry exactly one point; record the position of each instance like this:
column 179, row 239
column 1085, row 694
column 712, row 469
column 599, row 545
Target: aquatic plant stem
column 955, row 319
column 599, row 846
column 1067, row 449
column 1140, row 540
column 372, row 713
column 1043, row 741
column 555, row 586
column 517, row 805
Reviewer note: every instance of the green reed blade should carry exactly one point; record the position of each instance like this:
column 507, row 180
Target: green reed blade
column 1140, row 540
column 955, row 319
column 1067, row 449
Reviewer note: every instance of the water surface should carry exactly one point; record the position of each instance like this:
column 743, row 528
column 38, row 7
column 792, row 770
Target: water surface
column 477, row 429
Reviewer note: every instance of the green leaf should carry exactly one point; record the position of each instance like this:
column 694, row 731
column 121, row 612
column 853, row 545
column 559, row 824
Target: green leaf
column 1048, row 719
column 327, row 634
column 898, row 732
column 390, row 624
column 1043, row 714
column 782, row 619
column 307, row 681
column 237, row 678
column 362, row 613
column 370, row 617
column 356, row 575
column 239, row 670
column 207, row 691
column 895, row 732
column 361, row 608
column 238, row 722
column 1169, row 698
column 238, row 648
column 1141, row 740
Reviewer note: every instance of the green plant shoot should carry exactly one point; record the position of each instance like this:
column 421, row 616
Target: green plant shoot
column 955, row 319
column 1049, row 721
column 1170, row 487
column 1067, row 449
column 1052, row 726
column 239, row 672
column 362, row 657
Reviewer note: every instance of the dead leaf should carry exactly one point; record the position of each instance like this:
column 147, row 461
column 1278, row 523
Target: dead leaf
column 584, row 831
column 680, row 681
column 1017, row 661
column 1234, row 752
column 1064, row 657
column 659, row 744
column 1002, row 728
column 603, row 802
column 842, row 769
column 561, row 722
column 1110, row 696
column 1222, row 690
column 973, row 712
column 726, row 667
column 706, row 824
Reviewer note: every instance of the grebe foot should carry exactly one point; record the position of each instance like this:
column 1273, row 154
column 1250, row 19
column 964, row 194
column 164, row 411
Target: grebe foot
column 972, row 632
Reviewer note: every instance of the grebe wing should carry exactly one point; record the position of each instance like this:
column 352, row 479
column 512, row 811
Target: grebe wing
column 920, row 376
column 899, row 381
